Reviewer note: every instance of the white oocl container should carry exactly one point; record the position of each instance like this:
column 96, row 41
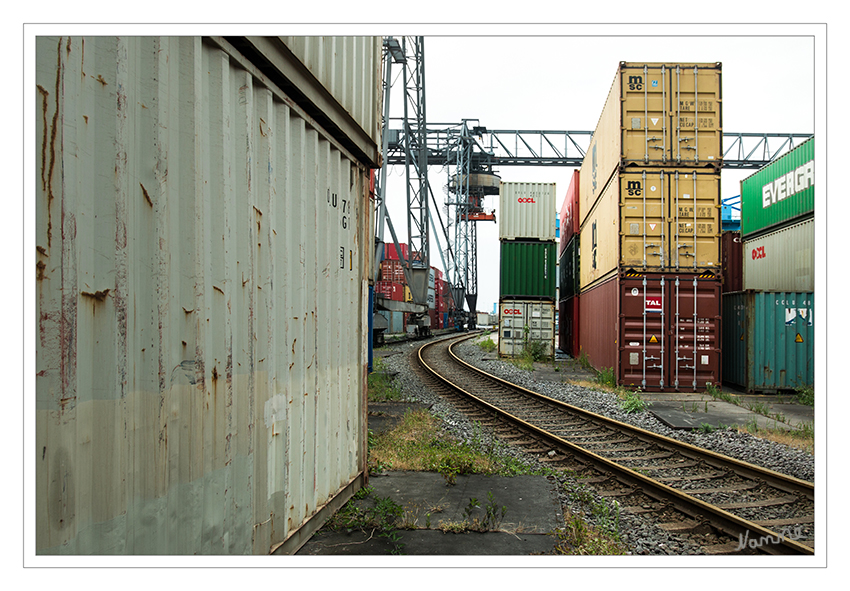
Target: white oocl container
column 527, row 210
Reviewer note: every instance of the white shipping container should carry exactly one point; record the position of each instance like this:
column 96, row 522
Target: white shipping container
column 527, row 210
column 783, row 260
column 524, row 321
column 201, row 294
column 338, row 78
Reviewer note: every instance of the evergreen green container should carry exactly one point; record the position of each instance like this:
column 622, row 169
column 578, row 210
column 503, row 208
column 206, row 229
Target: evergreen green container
column 528, row 269
column 780, row 193
column 768, row 340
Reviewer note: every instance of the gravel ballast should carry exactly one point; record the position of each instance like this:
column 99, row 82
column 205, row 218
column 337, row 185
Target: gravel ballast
column 640, row 535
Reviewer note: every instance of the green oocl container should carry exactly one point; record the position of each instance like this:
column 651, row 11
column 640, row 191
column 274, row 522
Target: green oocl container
column 780, row 192
column 768, row 340
column 528, row 269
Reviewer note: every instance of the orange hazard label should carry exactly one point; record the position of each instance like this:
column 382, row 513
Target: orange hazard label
column 652, row 339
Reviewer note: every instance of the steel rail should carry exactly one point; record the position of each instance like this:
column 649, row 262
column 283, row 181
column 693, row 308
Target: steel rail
column 728, row 523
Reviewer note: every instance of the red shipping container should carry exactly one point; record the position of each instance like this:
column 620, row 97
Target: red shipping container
column 659, row 332
column 732, row 261
column 392, row 271
column 390, row 290
column 391, row 254
column 569, row 218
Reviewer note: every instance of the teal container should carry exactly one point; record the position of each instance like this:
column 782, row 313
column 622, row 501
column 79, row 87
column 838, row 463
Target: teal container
column 779, row 193
column 768, row 340
column 528, row 269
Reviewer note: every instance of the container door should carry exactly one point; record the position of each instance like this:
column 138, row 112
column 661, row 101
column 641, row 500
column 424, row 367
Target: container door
column 696, row 128
column 644, row 125
column 643, row 207
column 695, row 224
column 643, row 333
column 694, row 310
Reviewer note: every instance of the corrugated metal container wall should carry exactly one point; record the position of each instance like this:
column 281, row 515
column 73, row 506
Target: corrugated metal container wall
column 528, row 270
column 523, row 320
column 779, row 193
column 769, row 340
column 732, row 261
column 332, row 78
column 570, row 223
column 664, row 219
column 201, row 297
column 655, row 115
column 670, row 330
column 783, row 260
column 527, row 210
column 598, row 324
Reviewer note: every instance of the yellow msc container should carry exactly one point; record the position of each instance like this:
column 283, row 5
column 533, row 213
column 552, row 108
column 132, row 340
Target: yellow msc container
column 656, row 115
column 653, row 219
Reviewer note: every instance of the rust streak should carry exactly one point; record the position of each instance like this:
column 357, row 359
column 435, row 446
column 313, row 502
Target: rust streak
column 145, row 193
column 98, row 295
column 101, row 80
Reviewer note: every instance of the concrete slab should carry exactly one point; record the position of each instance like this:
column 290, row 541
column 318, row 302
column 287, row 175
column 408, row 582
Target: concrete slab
column 530, row 502
column 427, row 543
column 430, row 505
column 691, row 411
column 384, row 416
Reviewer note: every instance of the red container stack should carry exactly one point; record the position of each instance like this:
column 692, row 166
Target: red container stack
column 391, row 290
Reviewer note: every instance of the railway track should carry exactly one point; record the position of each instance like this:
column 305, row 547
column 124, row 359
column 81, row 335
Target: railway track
column 687, row 489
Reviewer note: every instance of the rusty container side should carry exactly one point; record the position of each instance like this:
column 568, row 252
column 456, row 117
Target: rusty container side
column 202, row 288
column 670, row 331
column 336, row 80
column 732, row 261
column 598, row 325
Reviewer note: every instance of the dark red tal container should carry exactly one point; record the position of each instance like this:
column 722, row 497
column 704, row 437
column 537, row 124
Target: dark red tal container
column 732, row 261
column 658, row 332
column 669, row 331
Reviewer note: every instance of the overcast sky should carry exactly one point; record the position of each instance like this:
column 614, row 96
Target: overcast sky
column 561, row 83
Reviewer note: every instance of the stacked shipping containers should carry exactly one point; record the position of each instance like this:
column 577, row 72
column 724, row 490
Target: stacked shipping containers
column 392, row 285
column 768, row 324
column 568, row 265
column 527, row 279
column 649, row 208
